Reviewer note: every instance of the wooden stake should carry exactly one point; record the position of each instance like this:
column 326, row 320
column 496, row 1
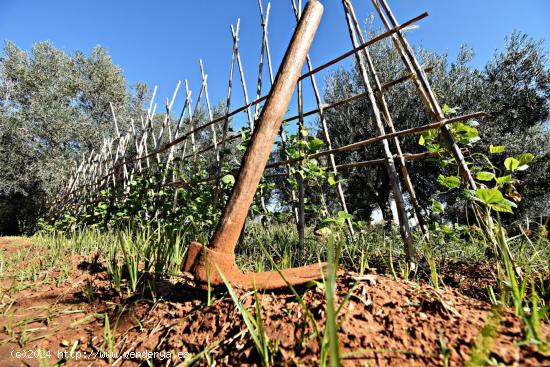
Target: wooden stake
column 326, row 135
column 389, row 122
column 423, row 86
column 210, row 115
column 225, row 119
column 404, row 228
column 300, row 179
column 377, row 139
column 235, row 35
column 190, row 114
column 282, row 135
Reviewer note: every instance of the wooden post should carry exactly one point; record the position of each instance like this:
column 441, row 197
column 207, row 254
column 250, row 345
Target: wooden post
column 177, row 130
column 210, row 115
column 423, row 86
column 300, row 179
column 190, row 114
column 326, row 135
column 282, row 135
column 264, row 49
column 235, row 34
column 166, row 122
column 122, row 146
column 404, row 228
column 217, row 189
column 147, row 123
column 389, row 121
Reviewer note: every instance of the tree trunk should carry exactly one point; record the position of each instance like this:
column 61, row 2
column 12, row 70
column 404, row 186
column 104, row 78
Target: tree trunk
column 384, row 204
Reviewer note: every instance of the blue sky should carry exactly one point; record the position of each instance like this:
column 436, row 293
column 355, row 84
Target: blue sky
column 161, row 42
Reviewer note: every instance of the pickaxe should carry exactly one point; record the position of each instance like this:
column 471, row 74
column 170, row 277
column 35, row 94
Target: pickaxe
column 206, row 262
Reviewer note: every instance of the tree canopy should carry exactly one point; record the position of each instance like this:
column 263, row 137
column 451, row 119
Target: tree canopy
column 54, row 108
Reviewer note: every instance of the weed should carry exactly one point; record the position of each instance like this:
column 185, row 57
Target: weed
column 253, row 324
column 484, row 340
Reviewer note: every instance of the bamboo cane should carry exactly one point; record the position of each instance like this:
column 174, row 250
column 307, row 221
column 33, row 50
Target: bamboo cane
column 282, row 135
column 228, row 114
column 326, row 135
column 235, row 35
column 390, row 165
column 210, row 115
column 389, row 121
column 225, row 118
column 300, row 179
column 423, row 86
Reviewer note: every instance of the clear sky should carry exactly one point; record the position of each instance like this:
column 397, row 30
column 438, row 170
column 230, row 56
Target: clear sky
column 160, row 42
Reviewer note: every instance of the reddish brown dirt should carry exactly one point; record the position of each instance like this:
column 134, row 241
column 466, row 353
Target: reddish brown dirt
column 383, row 323
column 471, row 280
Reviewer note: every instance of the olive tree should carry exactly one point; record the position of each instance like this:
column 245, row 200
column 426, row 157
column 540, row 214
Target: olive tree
column 54, row 107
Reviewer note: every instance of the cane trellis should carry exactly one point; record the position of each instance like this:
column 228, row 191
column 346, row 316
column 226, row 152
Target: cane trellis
column 115, row 165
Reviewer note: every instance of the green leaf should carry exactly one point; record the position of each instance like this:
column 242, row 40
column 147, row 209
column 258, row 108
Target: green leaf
column 229, row 180
column 485, row 176
column 489, row 196
column 511, row 164
column 504, row 206
column 525, row 158
column 449, row 110
column 450, row 182
column 331, row 180
column 315, row 144
column 445, row 228
column 421, row 140
column 494, row 149
column 465, row 133
column 504, row 179
column 343, row 215
column 437, row 207
column 468, row 195
column 323, row 232
column 433, row 148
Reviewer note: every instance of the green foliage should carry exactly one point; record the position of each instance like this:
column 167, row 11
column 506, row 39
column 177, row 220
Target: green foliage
column 496, row 149
column 189, row 207
column 54, row 108
column 485, row 176
column 495, row 200
column 516, row 93
column 299, row 146
column 514, row 88
column 450, row 182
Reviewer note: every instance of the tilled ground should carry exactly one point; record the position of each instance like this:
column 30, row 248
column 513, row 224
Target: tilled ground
column 383, row 322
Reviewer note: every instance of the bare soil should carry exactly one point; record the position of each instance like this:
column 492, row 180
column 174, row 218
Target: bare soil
column 385, row 322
